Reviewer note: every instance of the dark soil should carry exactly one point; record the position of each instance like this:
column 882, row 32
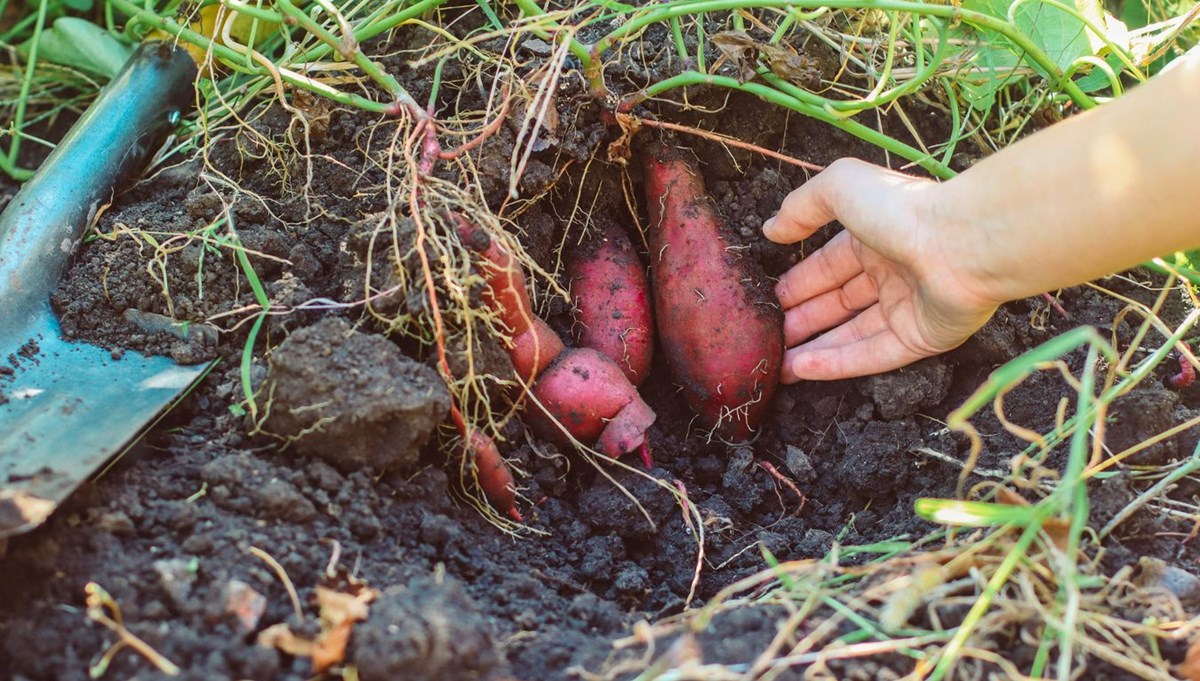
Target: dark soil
column 168, row 530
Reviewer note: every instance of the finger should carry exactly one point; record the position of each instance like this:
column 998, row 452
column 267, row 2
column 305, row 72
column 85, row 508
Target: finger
column 805, row 210
column 877, row 354
column 818, row 202
column 862, row 196
column 829, row 309
column 869, row 323
column 825, row 269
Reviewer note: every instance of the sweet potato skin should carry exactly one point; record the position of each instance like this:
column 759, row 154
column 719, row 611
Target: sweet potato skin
column 612, row 302
column 495, row 479
column 587, row 393
column 721, row 333
column 583, row 389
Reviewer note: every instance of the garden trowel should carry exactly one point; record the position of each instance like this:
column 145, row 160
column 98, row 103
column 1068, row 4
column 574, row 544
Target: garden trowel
column 66, row 407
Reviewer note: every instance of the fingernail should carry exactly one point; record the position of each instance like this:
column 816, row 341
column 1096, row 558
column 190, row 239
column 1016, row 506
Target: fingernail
column 769, row 223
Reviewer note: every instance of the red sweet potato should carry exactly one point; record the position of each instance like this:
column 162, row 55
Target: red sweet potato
column 582, row 389
column 532, row 345
column 612, row 302
column 589, row 395
column 722, row 331
column 493, row 475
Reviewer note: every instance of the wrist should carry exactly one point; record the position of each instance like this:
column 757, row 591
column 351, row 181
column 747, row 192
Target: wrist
column 975, row 257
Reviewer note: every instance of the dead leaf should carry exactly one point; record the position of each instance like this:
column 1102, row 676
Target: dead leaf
column 1005, row 495
column 338, row 606
column 1190, row 669
column 743, row 52
column 318, row 112
column 1059, row 532
column 791, row 66
column 338, row 611
column 330, row 647
column 620, row 150
column 280, row 637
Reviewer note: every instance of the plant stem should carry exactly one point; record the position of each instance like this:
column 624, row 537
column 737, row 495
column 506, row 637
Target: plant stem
column 14, row 148
column 349, row 50
column 233, row 59
column 808, row 108
column 951, row 12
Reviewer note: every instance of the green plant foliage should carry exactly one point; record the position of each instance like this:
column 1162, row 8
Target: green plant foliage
column 1059, row 30
column 82, row 45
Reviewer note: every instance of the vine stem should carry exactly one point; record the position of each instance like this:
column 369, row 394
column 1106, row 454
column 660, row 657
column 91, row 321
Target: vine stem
column 234, row 59
column 950, row 12
column 774, row 96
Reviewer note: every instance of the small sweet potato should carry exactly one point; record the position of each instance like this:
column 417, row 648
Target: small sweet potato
column 587, row 394
column 721, row 330
column 531, row 345
column 612, row 302
column 583, row 389
column 493, row 475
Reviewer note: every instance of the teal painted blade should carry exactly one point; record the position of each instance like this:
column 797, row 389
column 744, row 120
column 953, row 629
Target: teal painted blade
column 69, row 408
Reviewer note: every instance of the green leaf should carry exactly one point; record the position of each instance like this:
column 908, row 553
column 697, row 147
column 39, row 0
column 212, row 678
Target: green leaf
column 1135, row 14
column 490, row 14
column 1097, row 80
column 973, row 513
column 1061, row 36
column 80, row 44
column 990, row 72
column 1058, row 33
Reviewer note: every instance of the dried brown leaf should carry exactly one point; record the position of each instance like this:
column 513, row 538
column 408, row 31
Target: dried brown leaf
column 743, row 52
column 330, row 647
column 620, row 150
column 1189, row 670
column 740, row 49
column 282, row 638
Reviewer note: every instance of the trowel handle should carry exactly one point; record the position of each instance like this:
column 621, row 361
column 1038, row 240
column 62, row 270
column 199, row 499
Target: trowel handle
column 128, row 121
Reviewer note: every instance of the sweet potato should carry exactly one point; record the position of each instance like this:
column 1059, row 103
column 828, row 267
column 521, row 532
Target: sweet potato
column 493, row 475
column 582, row 389
column 612, row 302
column 588, row 394
column 532, row 345
column 722, row 332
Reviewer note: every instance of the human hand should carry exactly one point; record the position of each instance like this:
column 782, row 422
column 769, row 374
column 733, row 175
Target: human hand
column 891, row 289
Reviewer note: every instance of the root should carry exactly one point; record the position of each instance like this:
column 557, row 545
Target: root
column 101, row 608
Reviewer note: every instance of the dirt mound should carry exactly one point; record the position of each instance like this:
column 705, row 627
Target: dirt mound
column 352, row 398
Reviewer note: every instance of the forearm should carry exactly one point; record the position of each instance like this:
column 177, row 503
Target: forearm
column 1097, row 193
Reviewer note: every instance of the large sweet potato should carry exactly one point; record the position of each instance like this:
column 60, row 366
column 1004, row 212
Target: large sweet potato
column 612, row 302
column 720, row 328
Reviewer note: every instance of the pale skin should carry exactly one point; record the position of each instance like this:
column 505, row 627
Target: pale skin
column 922, row 265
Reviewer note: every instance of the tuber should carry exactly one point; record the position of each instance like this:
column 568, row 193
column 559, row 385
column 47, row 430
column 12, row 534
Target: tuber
column 580, row 391
column 493, row 475
column 721, row 331
column 612, row 302
column 588, row 394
